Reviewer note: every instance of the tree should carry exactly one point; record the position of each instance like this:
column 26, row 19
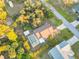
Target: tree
column 3, row 14
column 14, row 45
column 11, row 35
column 2, row 4
column 9, row 32
column 26, row 45
column 51, row 42
column 26, row 56
column 36, row 22
column 12, row 53
column 23, row 18
column 32, row 13
column 3, row 48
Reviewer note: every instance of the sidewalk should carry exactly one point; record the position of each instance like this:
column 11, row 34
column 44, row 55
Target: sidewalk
column 62, row 26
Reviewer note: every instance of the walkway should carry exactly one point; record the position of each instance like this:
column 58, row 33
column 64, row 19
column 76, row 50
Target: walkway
column 62, row 26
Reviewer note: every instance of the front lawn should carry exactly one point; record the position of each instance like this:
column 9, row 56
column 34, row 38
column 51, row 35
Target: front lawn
column 77, row 27
column 69, row 17
column 64, row 35
column 75, row 48
column 52, row 18
column 55, row 21
column 63, row 12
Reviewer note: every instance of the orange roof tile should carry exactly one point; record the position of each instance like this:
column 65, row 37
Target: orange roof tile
column 45, row 31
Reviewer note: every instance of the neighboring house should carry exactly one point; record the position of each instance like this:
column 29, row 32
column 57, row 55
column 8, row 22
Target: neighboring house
column 45, row 31
column 68, row 2
column 76, row 8
column 2, row 57
column 61, row 51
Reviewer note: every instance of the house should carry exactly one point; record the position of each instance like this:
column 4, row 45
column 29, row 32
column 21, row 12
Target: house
column 76, row 8
column 68, row 2
column 39, row 35
column 2, row 57
column 45, row 31
column 61, row 51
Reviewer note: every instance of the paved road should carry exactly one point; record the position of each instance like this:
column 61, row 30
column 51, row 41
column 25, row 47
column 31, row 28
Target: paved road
column 60, row 17
column 62, row 26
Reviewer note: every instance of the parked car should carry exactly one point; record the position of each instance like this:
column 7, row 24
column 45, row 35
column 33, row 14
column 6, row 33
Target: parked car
column 10, row 3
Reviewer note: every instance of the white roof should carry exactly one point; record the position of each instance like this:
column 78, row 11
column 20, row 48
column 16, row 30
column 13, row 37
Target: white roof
column 11, row 4
column 26, row 32
column 41, row 40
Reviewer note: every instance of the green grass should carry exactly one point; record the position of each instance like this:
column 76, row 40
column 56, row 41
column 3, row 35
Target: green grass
column 64, row 13
column 52, row 18
column 64, row 35
column 69, row 18
column 55, row 21
column 75, row 48
column 77, row 27
column 27, row 28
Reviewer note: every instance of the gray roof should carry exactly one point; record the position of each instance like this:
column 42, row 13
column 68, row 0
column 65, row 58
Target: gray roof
column 63, row 44
column 54, row 52
column 71, row 57
column 45, row 26
column 76, row 7
column 33, row 40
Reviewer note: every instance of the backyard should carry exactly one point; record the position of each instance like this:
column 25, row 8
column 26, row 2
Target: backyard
column 75, row 48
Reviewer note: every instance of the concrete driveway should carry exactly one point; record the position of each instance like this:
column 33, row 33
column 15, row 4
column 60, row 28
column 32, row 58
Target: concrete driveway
column 15, row 10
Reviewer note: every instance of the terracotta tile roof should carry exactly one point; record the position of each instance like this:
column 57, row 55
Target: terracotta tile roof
column 45, row 26
column 45, row 31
